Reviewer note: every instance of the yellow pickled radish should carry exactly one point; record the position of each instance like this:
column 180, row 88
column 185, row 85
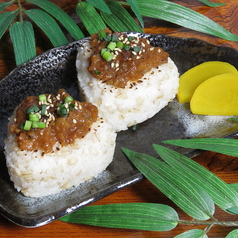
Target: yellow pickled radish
column 190, row 80
column 216, row 96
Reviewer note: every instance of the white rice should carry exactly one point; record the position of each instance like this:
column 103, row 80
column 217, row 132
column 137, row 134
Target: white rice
column 37, row 175
column 124, row 107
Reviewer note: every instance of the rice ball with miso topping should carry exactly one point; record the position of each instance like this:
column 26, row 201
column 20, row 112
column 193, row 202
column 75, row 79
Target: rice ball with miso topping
column 125, row 77
column 55, row 142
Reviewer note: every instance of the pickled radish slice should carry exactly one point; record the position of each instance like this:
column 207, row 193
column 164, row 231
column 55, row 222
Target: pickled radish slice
column 216, row 96
column 192, row 78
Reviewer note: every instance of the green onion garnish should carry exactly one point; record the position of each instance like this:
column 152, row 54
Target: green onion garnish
column 33, row 108
column 38, row 124
column 27, row 125
column 68, row 99
column 104, row 50
column 114, row 37
column 120, row 45
column 71, row 106
column 108, row 38
column 107, row 56
column 101, row 35
column 42, row 98
column 126, row 47
column 136, row 49
column 43, row 109
column 112, row 45
column 34, row 117
column 62, row 111
column 130, row 38
column 96, row 72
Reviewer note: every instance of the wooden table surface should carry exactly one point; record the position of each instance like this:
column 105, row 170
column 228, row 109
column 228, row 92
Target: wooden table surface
column 225, row 167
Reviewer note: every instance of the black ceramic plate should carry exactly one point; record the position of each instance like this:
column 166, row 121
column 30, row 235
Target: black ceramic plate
column 56, row 69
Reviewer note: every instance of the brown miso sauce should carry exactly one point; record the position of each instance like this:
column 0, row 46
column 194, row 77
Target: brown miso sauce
column 127, row 65
column 64, row 130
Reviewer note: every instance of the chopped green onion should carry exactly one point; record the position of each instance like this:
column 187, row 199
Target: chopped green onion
column 62, row 111
column 33, row 108
column 27, row 125
column 136, row 48
column 104, row 50
column 96, row 72
column 42, row 98
column 38, row 124
column 60, row 105
column 120, row 45
column 101, row 35
column 112, row 45
column 68, row 99
column 107, row 56
column 43, row 109
column 34, row 117
column 126, row 47
column 107, row 38
column 130, row 38
column 114, row 37
column 133, row 128
column 71, row 106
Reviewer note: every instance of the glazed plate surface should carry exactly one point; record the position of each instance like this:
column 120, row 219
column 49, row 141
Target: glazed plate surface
column 55, row 69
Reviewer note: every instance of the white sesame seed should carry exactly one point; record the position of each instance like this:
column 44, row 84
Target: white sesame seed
column 152, row 48
column 74, row 121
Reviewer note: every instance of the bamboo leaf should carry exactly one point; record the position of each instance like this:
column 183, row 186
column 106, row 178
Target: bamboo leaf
column 120, row 19
column 142, row 216
column 61, row 16
column 3, row 5
column 220, row 145
column 22, row 36
column 195, row 233
column 232, row 234
column 212, row 4
column 100, row 4
column 234, row 186
column 188, row 196
column 135, row 8
column 48, row 25
column 175, row 13
column 221, row 193
column 6, row 19
column 90, row 18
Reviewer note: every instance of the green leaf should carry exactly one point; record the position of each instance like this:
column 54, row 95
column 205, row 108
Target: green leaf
column 90, row 18
column 120, row 19
column 221, row 193
column 220, row 145
column 234, row 186
column 188, row 196
column 177, row 14
column 195, row 233
column 6, row 19
column 3, row 5
column 142, row 216
column 135, row 8
column 61, row 16
column 22, row 36
column 100, row 4
column 48, row 25
column 233, row 234
column 212, row 4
